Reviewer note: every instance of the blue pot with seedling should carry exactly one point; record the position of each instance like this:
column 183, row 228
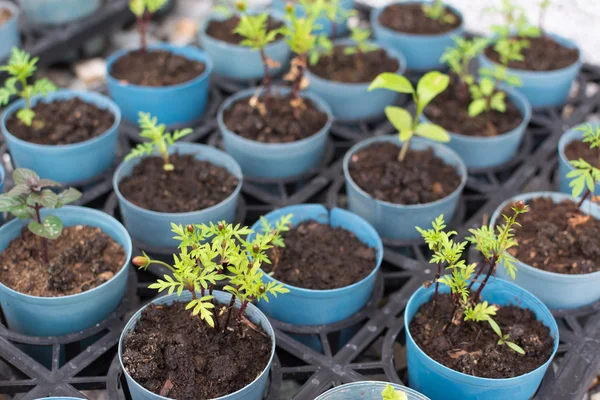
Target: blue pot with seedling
column 333, row 19
column 371, row 390
column 57, row 12
column 589, row 132
column 9, row 29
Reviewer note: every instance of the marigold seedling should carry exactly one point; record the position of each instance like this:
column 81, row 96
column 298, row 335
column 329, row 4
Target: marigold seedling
column 460, row 55
column 323, row 47
column 483, row 312
column 486, row 98
column 336, row 14
column 389, row 393
column 585, row 175
column 143, row 10
column 437, row 11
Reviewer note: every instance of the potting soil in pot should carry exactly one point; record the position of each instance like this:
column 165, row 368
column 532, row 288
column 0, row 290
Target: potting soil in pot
column 223, row 30
column 82, row 258
column 578, row 149
column 5, row 15
column 62, row 122
column 410, row 18
column 174, row 354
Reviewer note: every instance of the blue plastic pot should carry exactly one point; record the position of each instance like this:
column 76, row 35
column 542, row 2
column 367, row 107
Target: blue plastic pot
column 9, row 30
column 55, row 12
column 422, row 52
column 557, row 291
column 153, row 228
column 72, row 162
column 367, row 390
column 353, row 101
column 60, row 398
column 564, row 166
column 544, row 88
column 254, row 391
column 442, row 383
column 175, row 104
column 275, row 160
column 317, row 307
column 398, row 221
column 239, row 62
column 39, row 316
column 323, row 23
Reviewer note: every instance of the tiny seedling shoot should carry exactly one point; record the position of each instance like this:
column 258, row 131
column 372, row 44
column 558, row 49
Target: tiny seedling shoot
column 20, row 67
column 389, row 393
column 158, row 139
column 429, row 86
column 437, row 11
column 336, row 14
column 32, row 193
column 143, row 10
column 360, row 37
column 585, row 175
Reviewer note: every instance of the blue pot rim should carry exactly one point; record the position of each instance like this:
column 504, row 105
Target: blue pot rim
column 247, row 93
column 128, row 248
column 199, row 147
column 570, row 136
column 461, row 168
column 2, row 174
column 112, row 107
column 485, row 381
column 351, row 385
column 12, row 7
column 571, row 278
column 159, row 90
column 332, row 292
column 374, row 19
column 174, row 297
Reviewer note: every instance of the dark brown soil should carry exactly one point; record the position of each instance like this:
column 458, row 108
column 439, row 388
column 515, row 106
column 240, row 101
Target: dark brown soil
column 223, row 30
column 192, row 186
column 451, row 110
column 5, row 15
column 169, row 348
column 155, row 68
column 82, row 258
column 420, row 178
column 354, row 68
column 557, row 238
column 543, row 54
column 318, row 256
column 577, row 149
column 472, row 347
column 410, row 18
column 62, row 122
column 279, row 125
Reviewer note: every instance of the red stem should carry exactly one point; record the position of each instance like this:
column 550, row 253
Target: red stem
column 267, row 78
column 487, row 277
column 44, row 244
column 231, row 304
column 333, row 30
column 243, row 308
column 477, row 275
column 437, row 284
column 585, row 196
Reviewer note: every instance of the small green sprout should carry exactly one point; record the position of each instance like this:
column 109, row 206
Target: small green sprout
column 500, row 74
column 360, row 37
column 323, row 47
column 20, row 67
column 143, row 10
column 460, row 55
column 160, row 140
column 585, row 175
column 390, row 394
column 30, row 194
column 438, row 12
column 429, row 86
column 484, row 312
column 336, row 14
column 486, row 98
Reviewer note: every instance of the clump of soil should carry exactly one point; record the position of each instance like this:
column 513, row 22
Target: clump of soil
column 451, row 110
column 472, row 347
column 279, row 125
column 155, row 68
column 557, row 238
column 223, row 30
column 62, row 122
column 192, row 186
column 410, row 18
column 318, row 256
column 178, row 356
column 354, row 68
column 82, row 258
column 421, row 178
column 577, row 149
column 543, row 54
column 5, row 15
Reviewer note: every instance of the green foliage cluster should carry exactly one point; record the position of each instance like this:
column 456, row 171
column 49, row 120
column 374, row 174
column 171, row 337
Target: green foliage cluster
column 360, row 39
column 585, row 175
column 437, row 11
column 336, row 14
column 389, row 393
column 359, row 46
column 143, row 10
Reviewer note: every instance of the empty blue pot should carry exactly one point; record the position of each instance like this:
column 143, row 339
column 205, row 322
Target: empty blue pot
column 55, row 316
column 353, row 101
column 398, row 221
column 275, row 160
column 317, row 307
column 422, row 52
column 153, row 228
column 9, row 30
column 442, row 383
column 557, row 291
column 564, row 166
column 324, row 25
column 175, row 104
column 72, row 162
column 544, row 88
column 254, row 391
column 239, row 62
column 56, row 12
column 367, row 390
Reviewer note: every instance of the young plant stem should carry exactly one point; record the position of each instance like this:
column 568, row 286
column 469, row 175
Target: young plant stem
column 487, row 277
column 477, row 275
column 404, row 150
column 437, row 284
column 43, row 242
column 299, row 76
column 243, row 308
column 142, row 23
column 229, row 310
column 585, row 196
column 267, row 78
column 333, row 30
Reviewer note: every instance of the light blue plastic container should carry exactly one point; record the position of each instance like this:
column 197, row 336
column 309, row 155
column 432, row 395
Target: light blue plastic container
column 317, row 307
column 239, row 62
column 55, row 316
column 557, row 291
column 9, row 31
column 398, row 221
column 544, row 88
column 254, row 391
column 353, row 101
column 72, row 162
column 175, row 104
column 324, row 24
column 275, row 160
column 422, row 52
column 564, row 166
column 367, row 390
column 153, row 228
column 56, row 12
column 60, row 398
column 442, row 383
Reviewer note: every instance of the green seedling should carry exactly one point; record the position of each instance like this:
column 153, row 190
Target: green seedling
column 323, row 47
column 585, row 175
column 483, row 312
column 360, row 38
column 25, row 201
column 429, row 86
column 460, row 55
column 500, row 75
column 389, row 393
column 143, row 10
column 438, row 12
column 20, row 67
column 158, row 139
column 486, row 97
column 336, row 14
